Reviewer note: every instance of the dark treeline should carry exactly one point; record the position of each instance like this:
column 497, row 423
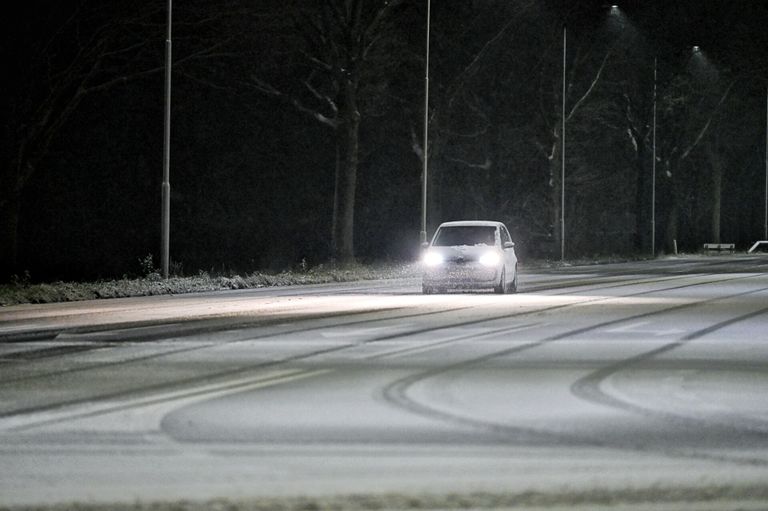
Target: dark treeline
column 297, row 129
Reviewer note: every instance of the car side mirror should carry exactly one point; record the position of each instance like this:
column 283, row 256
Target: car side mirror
column 509, row 244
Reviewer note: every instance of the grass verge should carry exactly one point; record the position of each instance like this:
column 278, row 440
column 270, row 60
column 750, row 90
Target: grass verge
column 23, row 292
column 722, row 498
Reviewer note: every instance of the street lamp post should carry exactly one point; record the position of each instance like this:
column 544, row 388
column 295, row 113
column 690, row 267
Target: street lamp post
column 166, row 186
column 423, row 234
column 765, row 220
column 562, row 156
column 653, row 164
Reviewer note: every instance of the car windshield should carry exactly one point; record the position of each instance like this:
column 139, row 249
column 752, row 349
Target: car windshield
column 465, row 235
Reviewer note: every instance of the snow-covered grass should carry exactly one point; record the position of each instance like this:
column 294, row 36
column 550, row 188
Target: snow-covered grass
column 21, row 291
column 640, row 499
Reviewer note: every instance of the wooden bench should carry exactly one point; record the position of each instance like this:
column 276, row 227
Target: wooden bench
column 720, row 247
column 757, row 244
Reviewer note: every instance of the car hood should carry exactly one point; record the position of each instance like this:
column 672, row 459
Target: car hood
column 465, row 252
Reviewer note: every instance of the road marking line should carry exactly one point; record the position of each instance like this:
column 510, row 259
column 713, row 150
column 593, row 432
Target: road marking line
column 634, row 328
column 174, row 400
column 451, row 340
column 359, row 332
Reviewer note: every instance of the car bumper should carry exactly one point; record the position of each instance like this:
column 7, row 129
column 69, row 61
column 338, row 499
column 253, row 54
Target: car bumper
column 467, row 276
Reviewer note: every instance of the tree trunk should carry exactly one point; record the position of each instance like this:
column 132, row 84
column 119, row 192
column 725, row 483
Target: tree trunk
column 9, row 237
column 435, row 181
column 335, row 216
column 717, row 179
column 672, row 225
column 643, row 201
column 555, row 190
column 716, row 165
column 348, row 145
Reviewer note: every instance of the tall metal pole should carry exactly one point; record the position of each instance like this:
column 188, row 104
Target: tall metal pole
column 423, row 234
column 166, row 186
column 765, row 225
column 562, row 160
column 653, row 166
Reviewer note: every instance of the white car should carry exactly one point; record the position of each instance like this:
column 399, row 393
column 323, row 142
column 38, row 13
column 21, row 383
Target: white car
column 470, row 255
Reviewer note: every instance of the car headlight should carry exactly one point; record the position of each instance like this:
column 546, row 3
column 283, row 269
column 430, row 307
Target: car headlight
column 433, row 259
column 490, row 259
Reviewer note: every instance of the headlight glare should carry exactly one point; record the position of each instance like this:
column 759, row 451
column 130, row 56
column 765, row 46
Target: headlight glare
column 433, row 258
column 490, row 259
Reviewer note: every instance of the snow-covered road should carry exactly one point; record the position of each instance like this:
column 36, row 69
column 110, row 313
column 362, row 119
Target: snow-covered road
column 614, row 377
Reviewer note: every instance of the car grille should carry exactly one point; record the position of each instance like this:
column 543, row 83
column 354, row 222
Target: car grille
column 461, row 259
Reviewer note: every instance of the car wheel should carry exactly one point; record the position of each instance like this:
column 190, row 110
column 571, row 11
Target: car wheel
column 502, row 287
column 427, row 290
column 513, row 285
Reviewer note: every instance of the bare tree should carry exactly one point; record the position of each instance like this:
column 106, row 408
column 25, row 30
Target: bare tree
column 92, row 48
column 469, row 84
column 341, row 51
column 689, row 110
column 585, row 68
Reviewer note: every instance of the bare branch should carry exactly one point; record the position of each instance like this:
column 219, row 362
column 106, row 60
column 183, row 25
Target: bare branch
column 270, row 90
column 592, row 86
column 463, row 76
column 322, row 97
column 381, row 15
column 707, row 124
column 416, row 146
column 486, row 165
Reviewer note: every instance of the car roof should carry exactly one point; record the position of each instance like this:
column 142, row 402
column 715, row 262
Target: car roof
column 471, row 223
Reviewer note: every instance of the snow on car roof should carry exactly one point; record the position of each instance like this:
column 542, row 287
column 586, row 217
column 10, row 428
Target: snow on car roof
column 474, row 223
